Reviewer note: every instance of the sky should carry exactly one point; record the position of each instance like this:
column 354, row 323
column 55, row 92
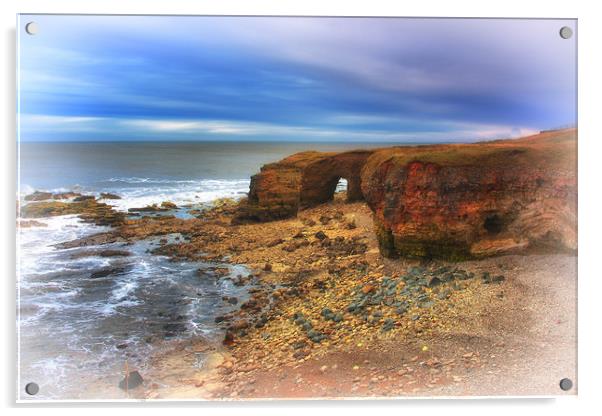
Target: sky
column 141, row 78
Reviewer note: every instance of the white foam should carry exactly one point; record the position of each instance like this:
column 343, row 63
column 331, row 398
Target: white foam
column 61, row 303
column 123, row 290
column 178, row 192
column 36, row 244
column 135, row 180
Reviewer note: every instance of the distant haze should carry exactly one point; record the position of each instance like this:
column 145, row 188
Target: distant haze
column 360, row 80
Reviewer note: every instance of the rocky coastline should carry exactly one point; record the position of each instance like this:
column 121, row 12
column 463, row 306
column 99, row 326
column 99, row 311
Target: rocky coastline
column 424, row 278
column 452, row 202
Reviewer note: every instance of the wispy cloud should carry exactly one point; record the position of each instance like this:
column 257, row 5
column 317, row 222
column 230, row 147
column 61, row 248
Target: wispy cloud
column 214, row 127
column 156, row 129
column 129, row 78
column 43, row 119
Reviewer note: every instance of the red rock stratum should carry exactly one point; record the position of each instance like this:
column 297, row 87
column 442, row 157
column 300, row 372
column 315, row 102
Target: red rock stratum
column 440, row 201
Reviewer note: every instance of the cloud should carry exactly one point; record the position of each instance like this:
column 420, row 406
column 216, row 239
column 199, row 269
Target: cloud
column 58, row 120
column 296, row 78
column 216, row 127
column 49, row 127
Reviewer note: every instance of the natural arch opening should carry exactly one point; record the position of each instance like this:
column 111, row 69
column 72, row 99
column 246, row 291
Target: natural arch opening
column 321, row 180
column 334, row 188
column 340, row 190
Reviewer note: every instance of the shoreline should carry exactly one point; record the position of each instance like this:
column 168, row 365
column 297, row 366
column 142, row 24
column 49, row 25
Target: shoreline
column 470, row 341
column 89, row 217
column 482, row 358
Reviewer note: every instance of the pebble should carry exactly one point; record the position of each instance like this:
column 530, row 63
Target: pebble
column 444, row 294
column 368, row 289
column 320, row 235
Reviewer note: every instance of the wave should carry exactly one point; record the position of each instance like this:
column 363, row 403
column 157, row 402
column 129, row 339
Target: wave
column 138, row 192
column 89, row 318
column 200, row 182
column 180, row 192
column 136, row 180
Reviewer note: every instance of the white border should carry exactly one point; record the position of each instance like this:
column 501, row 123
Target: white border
column 589, row 181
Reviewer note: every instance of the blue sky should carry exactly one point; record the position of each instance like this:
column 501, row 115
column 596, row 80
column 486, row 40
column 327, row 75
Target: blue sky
column 112, row 78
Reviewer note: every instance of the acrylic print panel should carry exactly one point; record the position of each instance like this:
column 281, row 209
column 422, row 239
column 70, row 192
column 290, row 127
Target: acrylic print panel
column 286, row 207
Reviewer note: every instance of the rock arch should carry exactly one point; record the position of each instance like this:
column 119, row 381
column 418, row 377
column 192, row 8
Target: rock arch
column 319, row 179
column 300, row 181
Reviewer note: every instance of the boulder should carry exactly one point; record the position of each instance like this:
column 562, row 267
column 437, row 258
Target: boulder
column 107, row 195
column 109, row 271
column 275, row 242
column 82, row 198
column 148, row 208
column 66, row 195
column 238, row 325
column 133, row 380
column 38, row 196
column 168, row 205
column 320, row 235
column 114, row 253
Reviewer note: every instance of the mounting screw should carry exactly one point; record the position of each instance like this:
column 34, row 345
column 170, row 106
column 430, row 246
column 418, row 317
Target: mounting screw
column 566, row 384
column 31, row 28
column 566, row 32
column 32, row 389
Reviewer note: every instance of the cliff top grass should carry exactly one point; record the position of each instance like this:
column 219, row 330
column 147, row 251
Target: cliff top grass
column 303, row 159
column 551, row 149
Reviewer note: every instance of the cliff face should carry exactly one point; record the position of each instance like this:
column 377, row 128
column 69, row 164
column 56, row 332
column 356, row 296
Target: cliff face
column 445, row 201
column 462, row 201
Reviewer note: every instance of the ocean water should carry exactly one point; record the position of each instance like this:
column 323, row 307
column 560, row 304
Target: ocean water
column 151, row 172
column 76, row 332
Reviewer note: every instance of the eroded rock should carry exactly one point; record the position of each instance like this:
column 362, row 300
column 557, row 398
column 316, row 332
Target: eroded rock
column 474, row 200
column 302, row 180
column 108, row 195
column 88, row 209
column 38, row 196
column 439, row 201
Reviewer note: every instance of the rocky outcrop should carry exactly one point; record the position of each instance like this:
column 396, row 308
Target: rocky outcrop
column 165, row 206
column 472, row 200
column 44, row 196
column 38, row 196
column 300, row 181
column 88, row 209
column 442, row 201
column 108, row 195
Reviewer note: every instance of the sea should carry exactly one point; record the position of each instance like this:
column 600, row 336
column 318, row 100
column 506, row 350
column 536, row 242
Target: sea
column 76, row 333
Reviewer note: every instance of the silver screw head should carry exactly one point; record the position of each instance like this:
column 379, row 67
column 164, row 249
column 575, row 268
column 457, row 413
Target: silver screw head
column 32, row 389
column 566, row 32
column 31, row 28
column 566, row 384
